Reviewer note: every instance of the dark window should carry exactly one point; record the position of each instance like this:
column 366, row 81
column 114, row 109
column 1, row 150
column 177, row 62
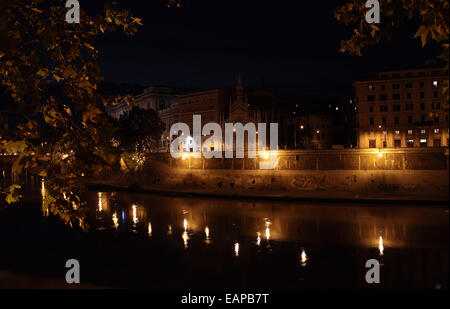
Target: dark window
column 422, row 119
column 383, row 120
column 372, row 143
column 422, row 84
column 437, row 142
column 371, row 121
column 371, row 109
column 371, row 98
column 383, row 87
column 395, row 96
column 383, row 97
column 422, row 95
column 396, row 108
column 409, row 107
column 436, row 119
column 422, row 106
column 383, row 108
column 408, row 85
column 408, row 96
column 397, row 143
column 395, row 86
column 435, row 94
column 409, row 119
column 436, row 105
column 396, row 120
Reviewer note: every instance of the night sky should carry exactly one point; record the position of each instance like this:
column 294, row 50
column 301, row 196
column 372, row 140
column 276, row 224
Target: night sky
column 291, row 46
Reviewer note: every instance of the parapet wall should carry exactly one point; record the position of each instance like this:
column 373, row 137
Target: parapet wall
column 348, row 159
column 394, row 174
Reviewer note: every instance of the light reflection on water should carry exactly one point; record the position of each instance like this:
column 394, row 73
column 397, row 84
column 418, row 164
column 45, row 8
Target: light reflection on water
column 45, row 211
column 380, row 246
column 307, row 229
column 251, row 243
column 358, row 226
column 115, row 220
column 207, row 238
column 149, row 230
column 303, row 258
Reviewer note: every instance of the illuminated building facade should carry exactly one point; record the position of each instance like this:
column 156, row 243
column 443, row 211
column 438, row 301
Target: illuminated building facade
column 403, row 109
column 218, row 105
column 154, row 97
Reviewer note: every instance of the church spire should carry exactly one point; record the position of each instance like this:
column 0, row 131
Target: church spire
column 239, row 90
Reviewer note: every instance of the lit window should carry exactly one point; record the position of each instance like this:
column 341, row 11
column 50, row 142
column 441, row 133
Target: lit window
column 423, row 140
column 397, row 132
column 423, row 131
column 435, row 83
column 436, row 131
column 410, row 143
column 410, row 132
column 384, row 132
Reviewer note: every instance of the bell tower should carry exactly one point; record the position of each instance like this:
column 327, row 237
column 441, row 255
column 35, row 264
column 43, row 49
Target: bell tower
column 239, row 91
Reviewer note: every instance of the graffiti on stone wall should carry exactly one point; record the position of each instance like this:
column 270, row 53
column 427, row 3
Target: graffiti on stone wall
column 309, row 182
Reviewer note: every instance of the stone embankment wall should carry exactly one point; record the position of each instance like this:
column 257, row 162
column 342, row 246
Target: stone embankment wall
column 387, row 172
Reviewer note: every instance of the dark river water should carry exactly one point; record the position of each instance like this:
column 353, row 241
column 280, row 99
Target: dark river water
column 142, row 240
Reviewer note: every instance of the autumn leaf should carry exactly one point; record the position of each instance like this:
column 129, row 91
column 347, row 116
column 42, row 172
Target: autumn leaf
column 91, row 113
column 13, row 195
column 423, row 33
column 16, row 146
column 137, row 20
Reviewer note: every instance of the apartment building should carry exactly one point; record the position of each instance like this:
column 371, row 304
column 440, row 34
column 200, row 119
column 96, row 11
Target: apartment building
column 404, row 108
